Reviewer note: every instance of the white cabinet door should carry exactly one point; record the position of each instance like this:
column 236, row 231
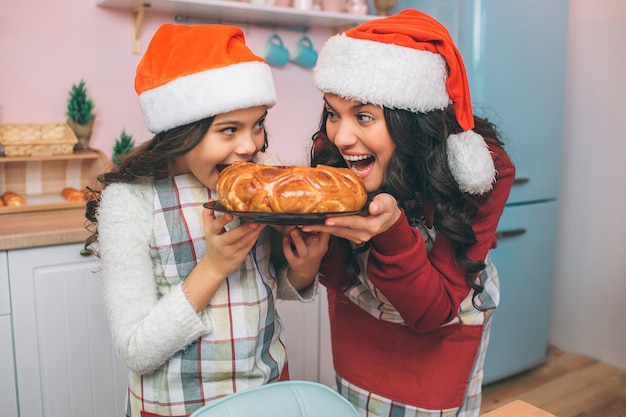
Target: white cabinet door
column 307, row 336
column 8, row 399
column 8, row 395
column 327, row 370
column 65, row 363
column 301, row 321
column 5, row 306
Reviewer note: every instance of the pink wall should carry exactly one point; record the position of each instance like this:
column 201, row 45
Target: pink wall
column 589, row 285
column 45, row 47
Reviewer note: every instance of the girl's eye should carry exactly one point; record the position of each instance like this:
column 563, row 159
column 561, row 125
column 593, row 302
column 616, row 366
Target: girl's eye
column 331, row 114
column 364, row 118
column 260, row 124
column 229, row 130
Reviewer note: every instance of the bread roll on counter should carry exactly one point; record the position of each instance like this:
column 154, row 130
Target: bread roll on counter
column 73, row 195
column 13, row 199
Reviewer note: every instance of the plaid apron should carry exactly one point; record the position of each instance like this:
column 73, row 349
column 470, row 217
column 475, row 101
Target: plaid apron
column 245, row 348
column 369, row 298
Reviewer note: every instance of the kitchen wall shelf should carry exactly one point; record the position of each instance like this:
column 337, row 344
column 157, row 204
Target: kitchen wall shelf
column 40, row 179
column 234, row 12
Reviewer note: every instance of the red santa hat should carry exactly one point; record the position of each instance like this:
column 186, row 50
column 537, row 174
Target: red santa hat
column 409, row 61
column 189, row 73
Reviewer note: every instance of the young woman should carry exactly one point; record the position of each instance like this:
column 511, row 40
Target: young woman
column 411, row 288
column 190, row 295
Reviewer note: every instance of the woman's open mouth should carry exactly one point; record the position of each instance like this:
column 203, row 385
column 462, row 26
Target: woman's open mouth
column 359, row 163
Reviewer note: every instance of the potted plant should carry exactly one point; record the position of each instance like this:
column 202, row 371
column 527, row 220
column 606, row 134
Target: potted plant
column 80, row 115
column 122, row 146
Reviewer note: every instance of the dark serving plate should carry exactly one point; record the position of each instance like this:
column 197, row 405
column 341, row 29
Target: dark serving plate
column 282, row 219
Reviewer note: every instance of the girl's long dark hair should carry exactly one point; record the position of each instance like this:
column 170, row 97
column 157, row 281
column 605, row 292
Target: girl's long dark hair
column 418, row 170
column 150, row 159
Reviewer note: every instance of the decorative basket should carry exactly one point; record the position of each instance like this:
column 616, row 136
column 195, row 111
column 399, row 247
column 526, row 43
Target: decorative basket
column 26, row 139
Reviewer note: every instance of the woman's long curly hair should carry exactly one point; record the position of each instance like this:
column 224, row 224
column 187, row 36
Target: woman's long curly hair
column 150, row 159
column 418, row 169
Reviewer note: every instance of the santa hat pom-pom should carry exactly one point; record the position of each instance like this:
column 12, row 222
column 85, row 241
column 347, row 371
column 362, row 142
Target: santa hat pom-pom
column 470, row 161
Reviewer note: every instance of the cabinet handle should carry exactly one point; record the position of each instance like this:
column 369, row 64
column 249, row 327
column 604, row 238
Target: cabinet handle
column 518, row 181
column 510, row 233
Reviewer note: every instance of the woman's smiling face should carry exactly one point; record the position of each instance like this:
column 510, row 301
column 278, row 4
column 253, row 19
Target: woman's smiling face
column 360, row 133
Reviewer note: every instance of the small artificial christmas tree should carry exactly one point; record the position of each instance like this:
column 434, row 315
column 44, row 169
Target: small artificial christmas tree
column 79, row 106
column 80, row 115
column 123, row 145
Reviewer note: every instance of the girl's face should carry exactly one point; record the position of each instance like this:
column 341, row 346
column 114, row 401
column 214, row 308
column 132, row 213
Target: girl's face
column 360, row 133
column 234, row 136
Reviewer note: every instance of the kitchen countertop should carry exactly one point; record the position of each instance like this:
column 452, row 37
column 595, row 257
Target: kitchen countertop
column 42, row 228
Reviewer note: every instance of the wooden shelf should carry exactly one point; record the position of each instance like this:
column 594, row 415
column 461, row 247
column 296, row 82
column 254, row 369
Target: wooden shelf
column 234, row 12
column 54, row 202
column 40, row 178
column 76, row 155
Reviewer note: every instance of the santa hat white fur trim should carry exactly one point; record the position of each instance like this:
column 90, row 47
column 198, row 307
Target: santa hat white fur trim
column 382, row 74
column 208, row 93
column 470, row 162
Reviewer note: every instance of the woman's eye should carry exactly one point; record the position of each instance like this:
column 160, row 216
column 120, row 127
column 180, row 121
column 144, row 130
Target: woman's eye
column 229, row 130
column 364, row 118
column 260, row 124
column 331, row 115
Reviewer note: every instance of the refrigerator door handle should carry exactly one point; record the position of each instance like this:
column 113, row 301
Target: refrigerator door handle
column 501, row 234
column 518, row 181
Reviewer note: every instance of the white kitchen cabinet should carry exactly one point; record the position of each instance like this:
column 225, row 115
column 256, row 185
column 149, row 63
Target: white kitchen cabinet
column 301, row 321
column 5, row 299
column 65, row 363
column 8, row 395
column 307, row 336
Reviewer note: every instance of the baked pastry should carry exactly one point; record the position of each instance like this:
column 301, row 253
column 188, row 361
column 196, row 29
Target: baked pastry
column 250, row 187
column 72, row 194
column 13, row 199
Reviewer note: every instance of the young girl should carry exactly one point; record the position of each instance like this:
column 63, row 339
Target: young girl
column 190, row 296
column 411, row 288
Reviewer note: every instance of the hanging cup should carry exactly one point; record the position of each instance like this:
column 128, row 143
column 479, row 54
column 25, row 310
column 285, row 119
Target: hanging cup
column 304, row 54
column 274, row 51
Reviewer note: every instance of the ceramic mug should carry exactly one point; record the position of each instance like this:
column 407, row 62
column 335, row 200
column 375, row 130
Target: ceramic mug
column 303, row 4
column 274, row 52
column 303, row 53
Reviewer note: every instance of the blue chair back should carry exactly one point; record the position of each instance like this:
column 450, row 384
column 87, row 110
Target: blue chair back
column 281, row 399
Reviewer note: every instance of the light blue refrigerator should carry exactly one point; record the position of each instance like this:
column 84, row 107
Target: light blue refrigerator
column 515, row 55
